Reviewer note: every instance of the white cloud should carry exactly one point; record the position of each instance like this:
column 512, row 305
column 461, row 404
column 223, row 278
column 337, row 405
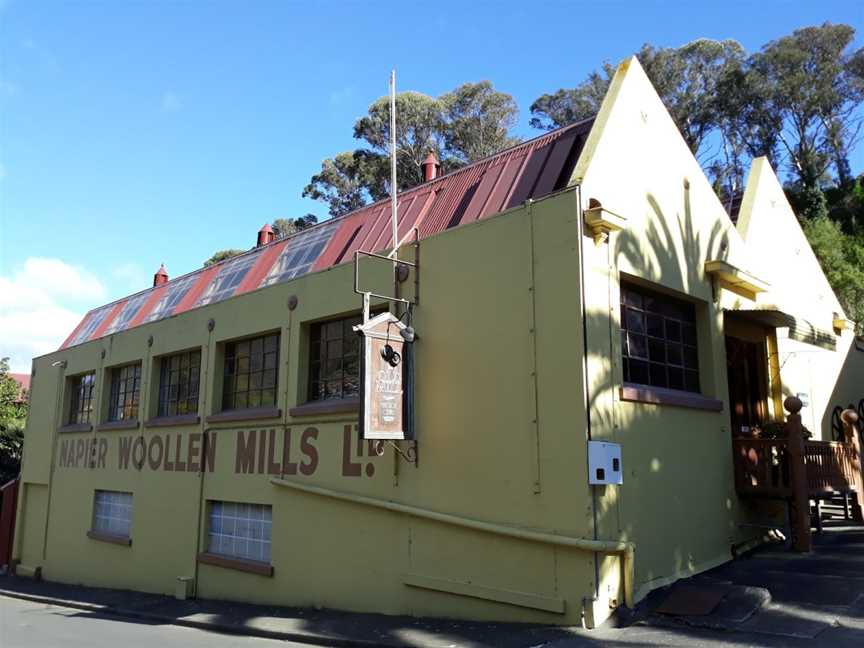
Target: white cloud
column 40, row 304
column 131, row 277
column 171, row 103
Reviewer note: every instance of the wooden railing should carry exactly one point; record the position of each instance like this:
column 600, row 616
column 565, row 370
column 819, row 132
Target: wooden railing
column 762, row 467
column 832, row 467
column 797, row 470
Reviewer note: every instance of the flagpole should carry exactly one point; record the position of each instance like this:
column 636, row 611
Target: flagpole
column 393, row 203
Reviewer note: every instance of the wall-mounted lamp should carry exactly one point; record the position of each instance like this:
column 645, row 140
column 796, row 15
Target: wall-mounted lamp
column 59, row 363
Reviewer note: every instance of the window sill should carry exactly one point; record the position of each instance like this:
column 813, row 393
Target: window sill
column 249, row 414
column 249, row 566
column 109, row 537
column 75, row 427
column 169, row 421
column 334, row 406
column 673, row 397
column 128, row 424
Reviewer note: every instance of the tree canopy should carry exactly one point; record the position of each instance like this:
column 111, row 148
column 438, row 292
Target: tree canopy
column 282, row 227
column 13, row 414
column 461, row 126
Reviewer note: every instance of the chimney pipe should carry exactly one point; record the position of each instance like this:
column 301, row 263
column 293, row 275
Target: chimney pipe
column 266, row 235
column 430, row 167
column 161, row 277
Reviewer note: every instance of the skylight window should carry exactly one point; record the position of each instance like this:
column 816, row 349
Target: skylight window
column 129, row 311
column 91, row 324
column 229, row 277
column 174, row 292
column 299, row 254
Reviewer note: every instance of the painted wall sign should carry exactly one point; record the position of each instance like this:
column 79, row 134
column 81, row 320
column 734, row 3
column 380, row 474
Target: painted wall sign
column 282, row 451
column 386, row 398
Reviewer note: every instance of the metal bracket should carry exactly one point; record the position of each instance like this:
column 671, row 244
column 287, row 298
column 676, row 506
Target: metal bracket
column 410, row 454
column 367, row 295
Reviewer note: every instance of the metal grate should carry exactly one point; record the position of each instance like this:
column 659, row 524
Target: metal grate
column 658, row 340
column 240, row 530
column 179, row 376
column 334, row 359
column 125, row 392
column 251, row 368
column 81, row 406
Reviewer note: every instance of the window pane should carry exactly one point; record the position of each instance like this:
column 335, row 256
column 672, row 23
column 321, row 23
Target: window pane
column 661, row 329
column 240, row 531
column 112, row 513
column 245, row 387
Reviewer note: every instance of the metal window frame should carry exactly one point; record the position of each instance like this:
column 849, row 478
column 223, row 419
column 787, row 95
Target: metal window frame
column 665, row 364
column 234, row 391
column 164, row 399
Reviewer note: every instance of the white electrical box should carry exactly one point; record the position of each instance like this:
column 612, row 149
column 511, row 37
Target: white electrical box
column 604, row 463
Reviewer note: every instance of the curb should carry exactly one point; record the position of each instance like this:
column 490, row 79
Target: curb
column 222, row 628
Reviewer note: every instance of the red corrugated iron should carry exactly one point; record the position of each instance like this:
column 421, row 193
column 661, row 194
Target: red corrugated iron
column 529, row 170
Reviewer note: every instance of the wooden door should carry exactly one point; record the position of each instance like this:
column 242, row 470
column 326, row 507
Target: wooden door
column 746, row 367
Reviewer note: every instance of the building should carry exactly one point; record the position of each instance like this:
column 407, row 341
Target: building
column 585, row 285
column 23, row 381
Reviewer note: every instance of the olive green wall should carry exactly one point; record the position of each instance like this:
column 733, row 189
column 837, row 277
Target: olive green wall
column 500, row 422
column 503, row 413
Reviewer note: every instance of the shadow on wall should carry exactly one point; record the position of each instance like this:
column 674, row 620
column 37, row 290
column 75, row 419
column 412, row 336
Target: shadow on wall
column 677, row 502
column 847, row 391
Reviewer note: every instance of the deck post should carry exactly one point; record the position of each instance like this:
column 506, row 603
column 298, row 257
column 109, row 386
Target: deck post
column 799, row 504
column 850, row 430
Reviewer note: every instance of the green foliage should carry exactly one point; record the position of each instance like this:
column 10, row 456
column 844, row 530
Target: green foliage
column 283, row 227
column 460, row 126
column 808, row 83
column 13, row 414
column 842, row 258
column 477, row 121
column 221, row 255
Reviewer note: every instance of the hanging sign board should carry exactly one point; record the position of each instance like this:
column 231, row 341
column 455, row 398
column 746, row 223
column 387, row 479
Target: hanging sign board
column 386, row 380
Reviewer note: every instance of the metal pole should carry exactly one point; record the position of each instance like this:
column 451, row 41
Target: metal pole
column 393, row 208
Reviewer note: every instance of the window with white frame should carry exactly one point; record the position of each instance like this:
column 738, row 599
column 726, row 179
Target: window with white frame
column 240, row 530
column 112, row 513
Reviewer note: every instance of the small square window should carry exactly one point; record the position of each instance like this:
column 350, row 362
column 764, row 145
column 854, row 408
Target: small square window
column 242, row 531
column 112, row 513
column 661, row 330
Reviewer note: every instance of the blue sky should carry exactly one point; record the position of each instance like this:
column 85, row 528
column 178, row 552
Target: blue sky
column 136, row 133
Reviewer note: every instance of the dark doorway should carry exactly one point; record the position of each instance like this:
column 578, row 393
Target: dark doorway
column 746, row 367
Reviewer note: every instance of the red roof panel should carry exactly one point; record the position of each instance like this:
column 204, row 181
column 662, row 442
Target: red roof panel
column 529, row 170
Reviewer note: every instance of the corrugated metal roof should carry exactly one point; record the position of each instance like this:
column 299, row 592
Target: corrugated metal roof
column 529, row 170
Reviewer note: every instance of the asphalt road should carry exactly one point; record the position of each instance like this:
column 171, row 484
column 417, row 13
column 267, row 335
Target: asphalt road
column 24, row 624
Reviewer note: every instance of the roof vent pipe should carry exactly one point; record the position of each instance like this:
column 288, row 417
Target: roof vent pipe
column 266, row 235
column 430, row 167
column 161, row 277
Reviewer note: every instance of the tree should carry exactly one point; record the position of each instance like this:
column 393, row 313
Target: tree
column 477, row 121
column 221, row 255
column 283, row 227
column 460, row 126
column 13, row 414
column 842, row 259
column 687, row 79
column 809, row 84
